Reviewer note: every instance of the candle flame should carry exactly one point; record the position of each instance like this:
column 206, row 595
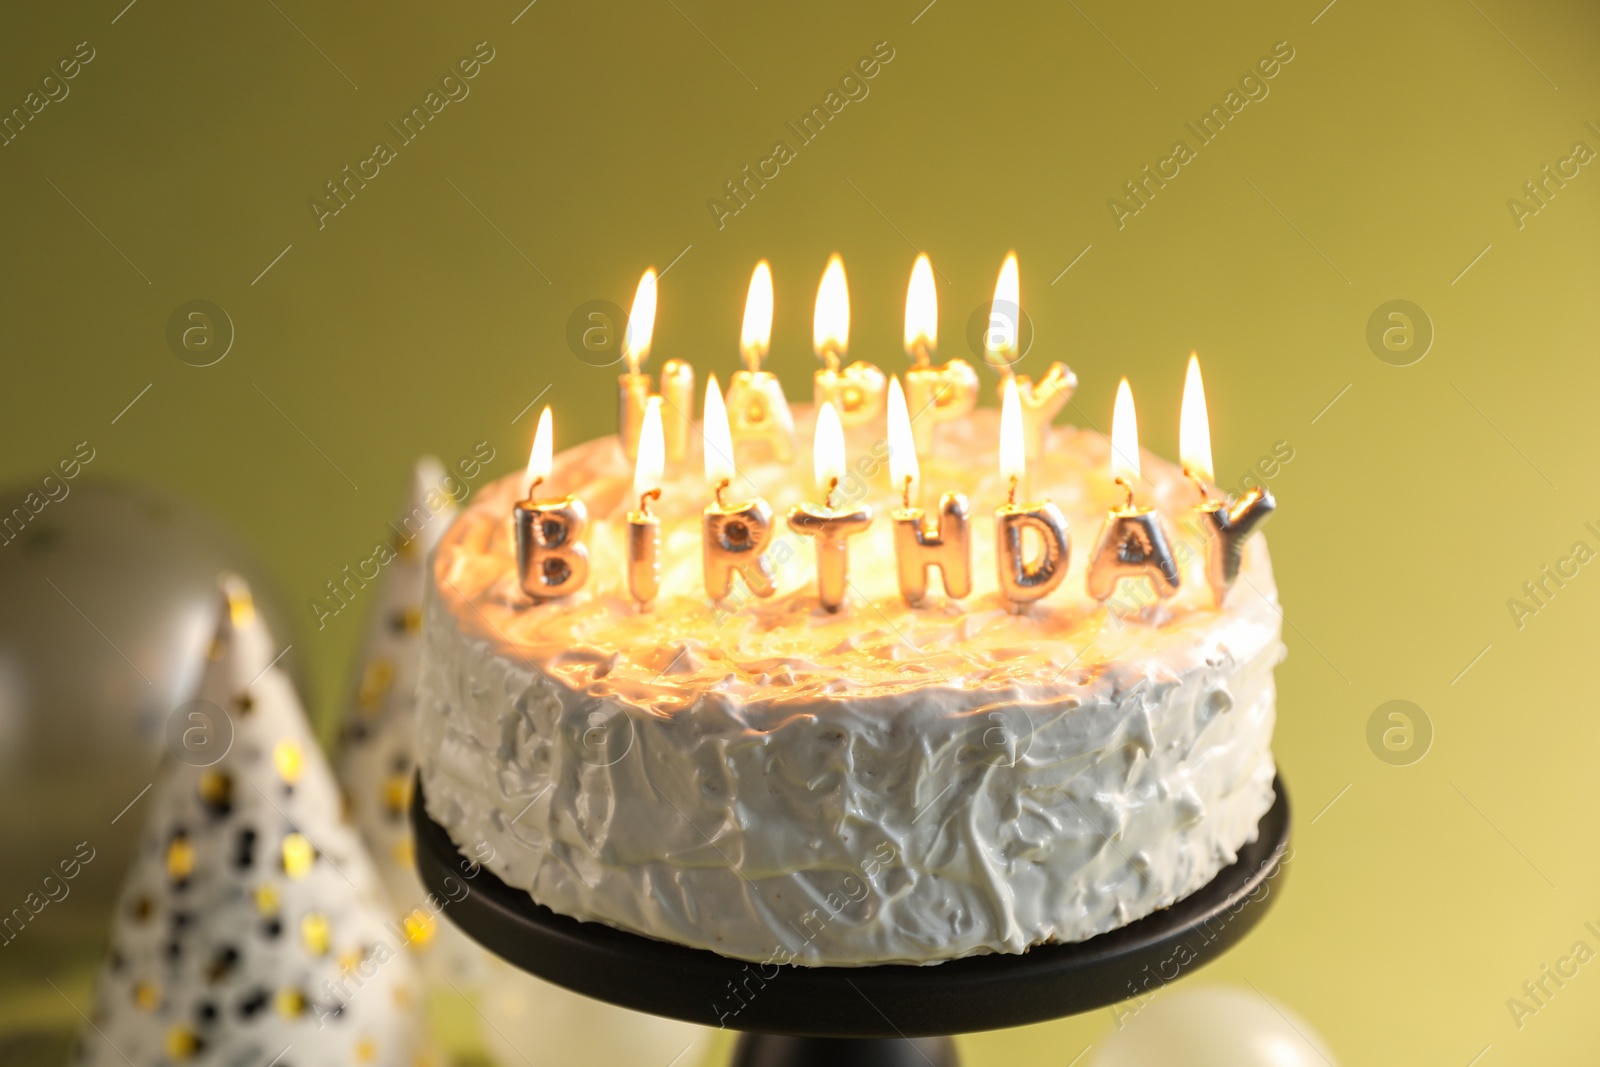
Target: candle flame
column 641, row 323
column 828, row 449
column 830, row 322
column 1194, row 425
column 652, row 450
column 1125, row 436
column 922, row 312
column 755, row 336
column 541, row 459
column 1013, row 462
column 1000, row 340
column 719, row 438
column 902, row 447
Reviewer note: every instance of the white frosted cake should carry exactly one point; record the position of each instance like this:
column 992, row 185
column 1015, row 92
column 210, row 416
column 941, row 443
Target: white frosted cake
column 883, row 784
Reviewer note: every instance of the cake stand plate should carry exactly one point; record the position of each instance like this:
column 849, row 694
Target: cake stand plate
column 887, row 1014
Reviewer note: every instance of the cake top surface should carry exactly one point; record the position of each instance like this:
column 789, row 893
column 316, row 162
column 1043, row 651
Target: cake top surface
column 788, row 651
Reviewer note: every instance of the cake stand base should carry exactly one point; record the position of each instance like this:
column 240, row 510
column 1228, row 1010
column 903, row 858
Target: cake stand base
column 881, row 1015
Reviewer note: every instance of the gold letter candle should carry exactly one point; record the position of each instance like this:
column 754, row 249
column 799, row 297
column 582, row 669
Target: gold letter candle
column 830, row 527
column 733, row 535
column 633, row 386
column 856, row 391
column 1024, row 580
column 933, row 394
column 551, row 558
column 644, row 528
column 757, row 410
column 1227, row 526
column 1043, row 400
column 1132, row 542
column 921, row 544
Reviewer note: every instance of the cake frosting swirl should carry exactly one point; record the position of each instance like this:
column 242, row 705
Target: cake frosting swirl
column 778, row 783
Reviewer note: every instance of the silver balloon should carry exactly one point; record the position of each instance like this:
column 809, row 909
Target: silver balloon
column 107, row 600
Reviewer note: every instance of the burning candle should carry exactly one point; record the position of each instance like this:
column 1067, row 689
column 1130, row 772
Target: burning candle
column 733, row 534
column 921, row 544
column 828, row 525
column 634, row 388
column 1024, row 579
column 856, row 391
column 756, row 406
column 644, row 528
column 1226, row 525
column 933, row 394
column 1132, row 542
column 1040, row 401
column 551, row 558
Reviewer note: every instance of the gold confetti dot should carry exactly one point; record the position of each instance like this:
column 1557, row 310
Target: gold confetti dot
column 419, row 927
column 245, row 703
column 146, row 995
column 397, row 793
column 375, row 681
column 141, row 909
column 405, row 852
column 290, row 1003
column 289, row 760
column 218, row 648
column 366, row 1050
column 298, row 855
column 216, row 789
column 348, row 961
column 314, row 933
column 266, row 899
column 411, row 621
column 180, row 858
column 241, row 608
column 182, row 1043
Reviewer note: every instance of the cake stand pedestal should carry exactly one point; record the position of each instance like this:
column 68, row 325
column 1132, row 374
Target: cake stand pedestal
column 886, row 1015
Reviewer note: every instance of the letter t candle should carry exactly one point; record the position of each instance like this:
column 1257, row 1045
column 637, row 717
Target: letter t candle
column 829, row 526
column 1024, row 580
column 1228, row 525
column 552, row 560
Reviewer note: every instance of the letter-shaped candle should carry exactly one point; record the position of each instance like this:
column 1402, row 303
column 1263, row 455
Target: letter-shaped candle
column 1228, row 525
column 551, row 558
column 921, row 543
column 1024, row 580
column 733, row 535
column 1132, row 542
column 830, row 526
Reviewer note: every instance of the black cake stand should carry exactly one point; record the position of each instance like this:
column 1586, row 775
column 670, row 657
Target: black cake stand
column 886, row 1015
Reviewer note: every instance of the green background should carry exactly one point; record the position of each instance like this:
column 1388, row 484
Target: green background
column 1378, row 168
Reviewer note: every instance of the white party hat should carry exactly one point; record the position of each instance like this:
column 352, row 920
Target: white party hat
column 251, row 928
column 376, row 758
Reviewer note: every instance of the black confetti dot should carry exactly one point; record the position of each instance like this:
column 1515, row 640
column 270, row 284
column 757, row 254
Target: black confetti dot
column 252, row 1004
column 244, row 855
column 206, row 1013
column 272, row 928
column 173, row 950
column 222, row 963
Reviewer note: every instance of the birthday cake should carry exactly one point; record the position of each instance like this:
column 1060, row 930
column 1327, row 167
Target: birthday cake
column 777, row 782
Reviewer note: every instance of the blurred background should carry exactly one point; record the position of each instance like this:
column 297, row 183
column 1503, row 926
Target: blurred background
column 1386, row 258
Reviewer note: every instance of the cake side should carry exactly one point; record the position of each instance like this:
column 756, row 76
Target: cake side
column 885, row 785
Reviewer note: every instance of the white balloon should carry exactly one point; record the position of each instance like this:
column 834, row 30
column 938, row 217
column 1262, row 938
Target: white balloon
column 1211, row 1026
